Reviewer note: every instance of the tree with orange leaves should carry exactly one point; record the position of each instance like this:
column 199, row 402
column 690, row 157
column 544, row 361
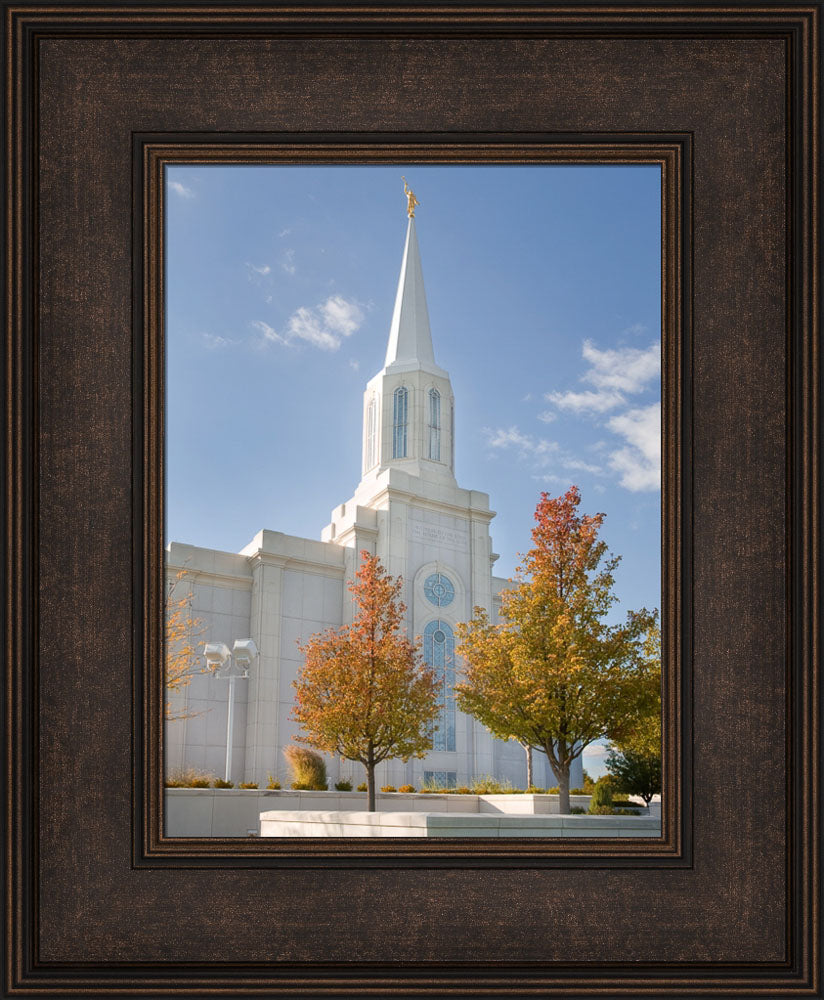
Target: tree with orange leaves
column 181, row 643
column 363, row 692
column 554, row 675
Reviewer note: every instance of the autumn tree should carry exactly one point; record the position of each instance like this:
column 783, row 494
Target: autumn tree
column 363, row 692
column 634, row 759
column 554, row 675
column 181, row 642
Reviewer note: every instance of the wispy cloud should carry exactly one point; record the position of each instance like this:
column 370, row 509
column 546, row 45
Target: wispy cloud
column 595, row 750
column 324, row 326
column 288, row 262
column 354, row 365
column 615, row 374
column 284, row 233
column 527, row 446
column 181, row 189
column 215, row 342
column 639, row 462
column 261, row 270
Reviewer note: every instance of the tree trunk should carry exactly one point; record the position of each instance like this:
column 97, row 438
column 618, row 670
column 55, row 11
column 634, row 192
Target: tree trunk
column 528, row 750
column 563, row 786
column 370, row 785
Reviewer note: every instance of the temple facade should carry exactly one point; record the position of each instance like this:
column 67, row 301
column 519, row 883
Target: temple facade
column 407, row 509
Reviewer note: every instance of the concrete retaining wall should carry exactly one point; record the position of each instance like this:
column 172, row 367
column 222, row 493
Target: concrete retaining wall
column 411, row 824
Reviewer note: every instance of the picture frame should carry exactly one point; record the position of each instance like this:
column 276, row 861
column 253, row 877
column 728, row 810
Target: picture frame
column 100, row 97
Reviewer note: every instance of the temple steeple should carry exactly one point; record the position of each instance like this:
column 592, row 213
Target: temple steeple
column 410, row 339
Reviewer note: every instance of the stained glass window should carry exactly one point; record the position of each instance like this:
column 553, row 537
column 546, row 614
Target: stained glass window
column 399, row 419
column 435, row 425
column 371, row 435
column 439, row 590
column 439, row 652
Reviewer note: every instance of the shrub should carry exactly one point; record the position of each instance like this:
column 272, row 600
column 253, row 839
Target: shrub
column 271, row 784
column 188, row 777
column 247, row 784
column 627, row 812
column 362, row 787
column 577, row 810
column 589, row 784
column 555, row 790
column 407, row 789
column 485, row 784
column 601, row 795
column 601, row 810
column 343, row 786
column 578, row 791
column 463, row 790
column 534, row 790
column 388, row 788
column 308, row 768
column 220, row 783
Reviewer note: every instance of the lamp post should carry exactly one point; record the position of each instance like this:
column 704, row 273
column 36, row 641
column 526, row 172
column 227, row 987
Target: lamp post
column 230, row 665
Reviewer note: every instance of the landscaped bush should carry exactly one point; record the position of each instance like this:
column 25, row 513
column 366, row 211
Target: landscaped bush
column 485, row 784
column 434, row 788
column 578, row 791
column 188, row 777
column 220, row 783
column 463, row 790
column 627, row 812
column 308, row 769
column 601, row 795
column 271, row 784
column 601, row 810
column 407, row 789
column 555, row 790
column 388, row 788
column 534, row 790
column 577, row 810
column 362, row 787
column 343, row 786
column 247, row 784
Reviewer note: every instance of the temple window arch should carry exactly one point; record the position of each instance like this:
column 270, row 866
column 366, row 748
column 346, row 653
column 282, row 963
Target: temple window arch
column 439, row 653
column 400, row 418
column 434, row 425
column 371, row 451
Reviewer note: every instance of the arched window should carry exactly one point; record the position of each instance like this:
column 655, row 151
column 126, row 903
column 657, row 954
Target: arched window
column 452, row 437
column 399, row 420
column 435, row 425
column 371, row 455
column 439, row 652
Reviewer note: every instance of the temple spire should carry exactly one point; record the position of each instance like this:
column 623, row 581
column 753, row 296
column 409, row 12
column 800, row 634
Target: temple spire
column 410, row 339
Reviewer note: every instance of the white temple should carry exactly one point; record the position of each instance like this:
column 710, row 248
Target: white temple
column 280, row 589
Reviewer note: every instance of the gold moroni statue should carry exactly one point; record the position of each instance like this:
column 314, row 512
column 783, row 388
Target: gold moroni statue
column 411, row 201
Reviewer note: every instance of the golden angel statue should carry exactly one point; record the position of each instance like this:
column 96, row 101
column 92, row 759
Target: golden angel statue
column 411, row 200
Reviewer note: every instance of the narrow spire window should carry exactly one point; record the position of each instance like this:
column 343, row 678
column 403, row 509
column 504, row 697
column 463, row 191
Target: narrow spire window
column 371, row 452
column 452, row 437
column 399, row 422
column 435, row 425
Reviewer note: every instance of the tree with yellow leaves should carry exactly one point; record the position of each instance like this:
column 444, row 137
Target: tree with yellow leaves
column 553, row 675
column 363, row 692
column 181, row 643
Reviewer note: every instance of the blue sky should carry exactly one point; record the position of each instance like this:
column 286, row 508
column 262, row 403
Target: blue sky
column 543, row 285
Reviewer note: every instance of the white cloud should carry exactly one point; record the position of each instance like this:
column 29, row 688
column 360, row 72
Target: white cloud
column 624, row 369
column 181, row 189
column 261, row 270
column 585, row 402
column 577, row 465
column 214, row 342
column 538, row 449
column 354, row 365
column 547, row 416
column 288, row 262
column 615, row 374
column 595, row 750
column 284, row 232
column 341, row 316
column 269, row 334
column 639, row 463
column 323, row 326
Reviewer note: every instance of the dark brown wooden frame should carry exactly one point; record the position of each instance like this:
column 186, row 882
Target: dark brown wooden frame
column 98, row 97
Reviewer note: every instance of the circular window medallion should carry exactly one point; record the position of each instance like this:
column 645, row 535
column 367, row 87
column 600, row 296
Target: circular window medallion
column 439, row 590
column 439, row 636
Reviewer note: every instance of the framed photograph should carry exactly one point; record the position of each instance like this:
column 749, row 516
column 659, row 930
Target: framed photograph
column 159, row 159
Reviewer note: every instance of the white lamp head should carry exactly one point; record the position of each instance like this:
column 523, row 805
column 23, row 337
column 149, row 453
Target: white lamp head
column 216, row 654
column 243, row 652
